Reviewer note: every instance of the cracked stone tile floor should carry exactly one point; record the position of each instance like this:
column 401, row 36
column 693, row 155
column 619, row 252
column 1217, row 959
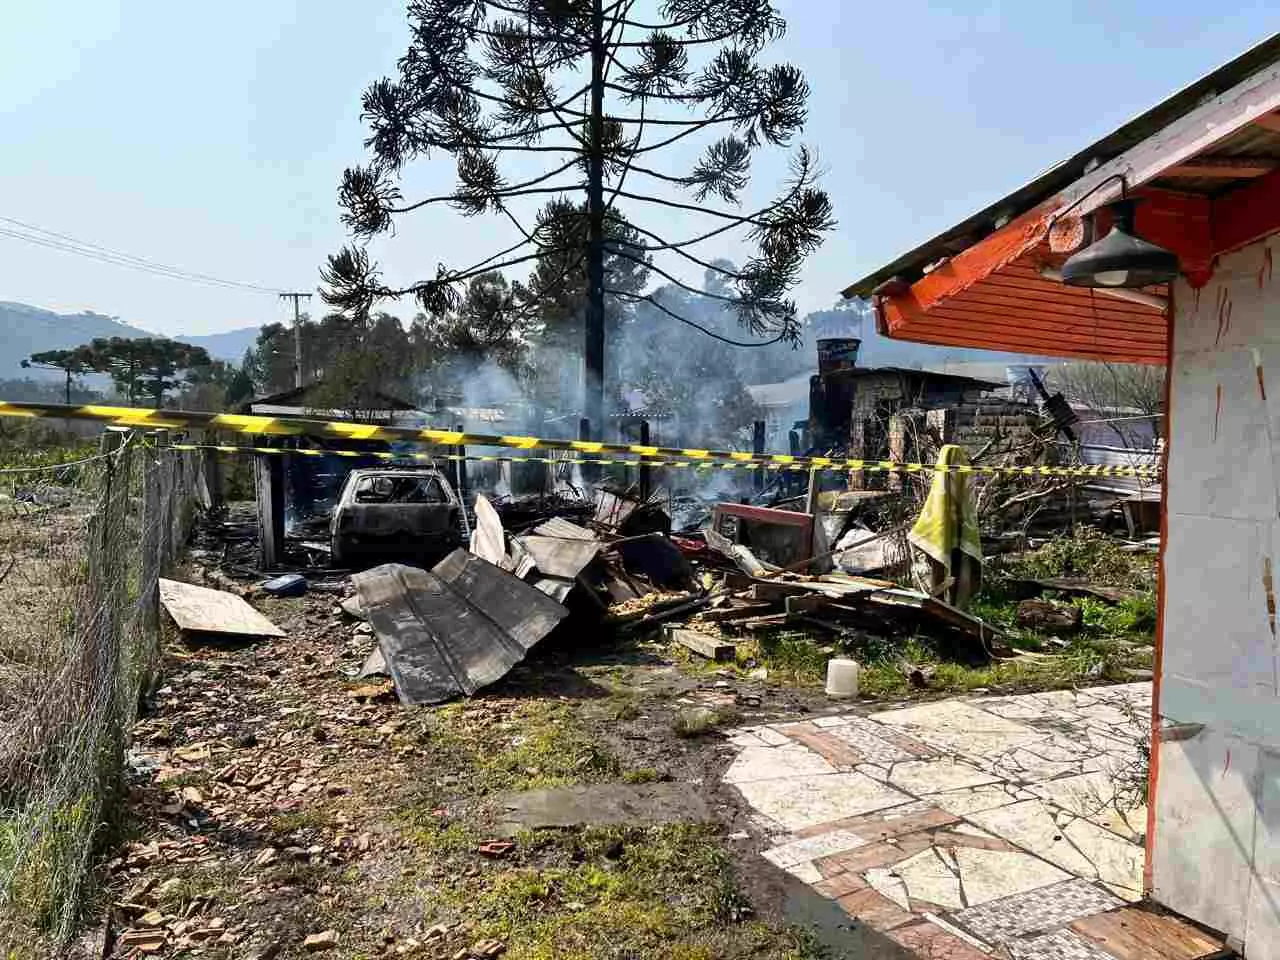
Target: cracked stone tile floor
column 967, row 827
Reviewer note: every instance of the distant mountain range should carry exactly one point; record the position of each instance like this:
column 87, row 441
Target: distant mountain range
column 25, row 330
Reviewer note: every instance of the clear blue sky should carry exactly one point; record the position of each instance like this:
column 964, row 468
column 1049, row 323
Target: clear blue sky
column 212, row 136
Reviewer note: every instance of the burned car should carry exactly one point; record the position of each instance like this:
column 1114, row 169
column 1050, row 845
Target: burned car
column 384, row 513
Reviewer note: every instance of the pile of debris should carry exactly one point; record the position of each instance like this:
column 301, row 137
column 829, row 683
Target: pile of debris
column 465, row 623
column 623, row 555
column 838, row 603
column 524, row 510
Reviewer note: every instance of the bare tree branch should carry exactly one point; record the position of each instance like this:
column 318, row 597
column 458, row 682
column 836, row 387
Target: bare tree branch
column 737, row 218
column 646, row 298
column 505, row 194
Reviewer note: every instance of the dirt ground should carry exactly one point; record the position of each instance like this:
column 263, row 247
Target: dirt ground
column 274, row 797
column 279, row 806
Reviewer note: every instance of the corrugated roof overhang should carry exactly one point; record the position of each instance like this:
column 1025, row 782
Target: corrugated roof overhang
column 995, row 296
column 1209, row 169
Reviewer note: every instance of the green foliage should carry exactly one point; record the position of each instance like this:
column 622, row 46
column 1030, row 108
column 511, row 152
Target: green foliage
column 542, row 745
column 618, row 891
column 43, row 877
column 350, row 361
column 792, row 656
column 71, row 362
column 557, row 285
column 492, row 323
column 696, row 721
column 40, row 443
column 1090, row 554
column 1132, row 617
column 595, row 144
column 141, row 365
column 218, row 386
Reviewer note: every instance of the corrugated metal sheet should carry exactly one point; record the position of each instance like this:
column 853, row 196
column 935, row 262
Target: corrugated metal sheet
column 455, row 629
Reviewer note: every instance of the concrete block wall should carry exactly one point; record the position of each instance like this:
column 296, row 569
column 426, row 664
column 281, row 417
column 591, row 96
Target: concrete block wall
column 1214, row 847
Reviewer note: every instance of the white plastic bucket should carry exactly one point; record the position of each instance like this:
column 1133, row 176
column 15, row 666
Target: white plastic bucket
column 842, row 678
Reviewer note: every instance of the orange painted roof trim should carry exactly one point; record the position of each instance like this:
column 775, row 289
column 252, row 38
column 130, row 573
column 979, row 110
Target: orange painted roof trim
column 968, row 301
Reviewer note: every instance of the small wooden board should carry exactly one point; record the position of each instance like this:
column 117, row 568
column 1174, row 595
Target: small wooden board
column 771, row 622
column 777, row 591
column 738, row 612
column 703, row 644
column 1133, row 934
column 202, row 610
column 806, row 604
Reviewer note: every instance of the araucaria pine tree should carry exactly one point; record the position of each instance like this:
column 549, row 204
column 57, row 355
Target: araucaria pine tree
column 607, row 93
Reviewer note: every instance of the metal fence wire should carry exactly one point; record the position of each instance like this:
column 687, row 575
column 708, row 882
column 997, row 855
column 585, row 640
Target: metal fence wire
column 82, row 546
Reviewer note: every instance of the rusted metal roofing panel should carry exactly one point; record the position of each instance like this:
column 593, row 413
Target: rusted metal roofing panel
column 455, row 629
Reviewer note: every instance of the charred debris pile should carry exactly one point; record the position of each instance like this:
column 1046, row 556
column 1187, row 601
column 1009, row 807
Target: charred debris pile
column 835, row 568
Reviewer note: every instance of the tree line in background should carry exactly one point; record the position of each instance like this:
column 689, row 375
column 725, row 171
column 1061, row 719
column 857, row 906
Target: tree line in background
column 503, row 342
column 491, row 350
column 139, row 367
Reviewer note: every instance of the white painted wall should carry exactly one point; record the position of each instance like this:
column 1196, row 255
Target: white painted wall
column 1215, row 847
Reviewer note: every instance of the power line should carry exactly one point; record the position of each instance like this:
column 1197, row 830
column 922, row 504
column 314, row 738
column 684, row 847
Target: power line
column 92, row 251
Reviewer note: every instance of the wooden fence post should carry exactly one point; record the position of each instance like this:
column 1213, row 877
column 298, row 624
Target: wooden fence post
column 757, row 448
column 212, row 464
column 268, row 482
column 150, row 561
column 646, row 471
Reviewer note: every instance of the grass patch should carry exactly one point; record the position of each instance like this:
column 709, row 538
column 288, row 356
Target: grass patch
column 696, row 721
column 623, row 707
column 1135, row 618
column 211, row 883
column 1111, row 642
column 188, row 778
column 532, row 745
column 444, row 844
column 619, row 892
column 44, row 862
column 1073, row 667
column 298, row 873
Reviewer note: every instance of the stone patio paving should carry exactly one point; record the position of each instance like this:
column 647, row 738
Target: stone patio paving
column 963, row 828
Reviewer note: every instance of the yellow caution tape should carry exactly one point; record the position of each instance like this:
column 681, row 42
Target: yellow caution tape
column 882, row 466
column 143, row 418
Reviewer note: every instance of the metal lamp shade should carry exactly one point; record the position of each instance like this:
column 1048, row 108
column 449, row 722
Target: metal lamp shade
column 1121, row 259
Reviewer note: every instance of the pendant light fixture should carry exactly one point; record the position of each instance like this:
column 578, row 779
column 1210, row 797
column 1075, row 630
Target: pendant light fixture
column 1121, row 258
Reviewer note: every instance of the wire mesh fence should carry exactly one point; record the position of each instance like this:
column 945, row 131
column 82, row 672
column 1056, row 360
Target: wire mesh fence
column 82, row 546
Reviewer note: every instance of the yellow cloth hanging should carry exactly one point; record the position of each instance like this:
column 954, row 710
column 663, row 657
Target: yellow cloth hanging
column 949, row 519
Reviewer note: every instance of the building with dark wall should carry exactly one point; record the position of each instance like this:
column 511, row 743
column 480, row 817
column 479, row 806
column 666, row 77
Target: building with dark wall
column 853, row 409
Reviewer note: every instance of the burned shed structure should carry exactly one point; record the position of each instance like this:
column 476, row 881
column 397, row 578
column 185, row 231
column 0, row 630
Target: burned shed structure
column 904, row 414
column 297, row 488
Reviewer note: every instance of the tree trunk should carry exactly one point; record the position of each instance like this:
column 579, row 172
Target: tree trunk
column 593, row 348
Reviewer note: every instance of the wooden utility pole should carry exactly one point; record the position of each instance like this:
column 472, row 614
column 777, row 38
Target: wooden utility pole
column 593, row 348
column 297, row 333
